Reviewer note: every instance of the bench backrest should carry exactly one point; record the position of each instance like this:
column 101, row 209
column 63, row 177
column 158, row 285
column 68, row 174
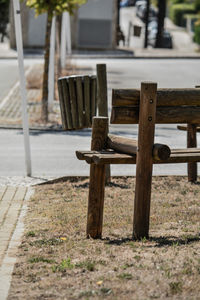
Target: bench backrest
column 173, row 106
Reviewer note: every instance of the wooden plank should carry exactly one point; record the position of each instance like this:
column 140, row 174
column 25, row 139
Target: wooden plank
column 86, row 80
column 97, row 180
column 79, row 94
column 165, row 97
column 144, row 160
column 164, row 115
column 93, row 99
column 102, row 96
column 192, row 143
column 184, row 127
column 73, row 102
column 67, row 103
column 62, row 106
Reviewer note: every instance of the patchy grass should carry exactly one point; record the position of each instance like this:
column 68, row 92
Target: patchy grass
column 56, row 261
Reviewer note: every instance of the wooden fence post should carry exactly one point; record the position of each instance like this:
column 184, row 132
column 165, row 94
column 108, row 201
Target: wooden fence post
column 144, row 161
column 192, row 143
column 97, row 180
column 102, row 99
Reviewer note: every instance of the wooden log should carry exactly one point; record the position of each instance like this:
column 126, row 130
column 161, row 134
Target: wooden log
column 165, row 97
column 97, row 180
column 86, row 80
column 62, row 106
column 192, row 143
column 93, row 94
column 130, row 146
column 67, row 103
column 164, row 115
column 144, row 160
column 79, row 94
column 161, row 152
column 122, row 144
column 73, row 102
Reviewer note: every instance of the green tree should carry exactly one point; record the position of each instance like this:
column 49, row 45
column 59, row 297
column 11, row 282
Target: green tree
column 4, row 17
column 51, row 7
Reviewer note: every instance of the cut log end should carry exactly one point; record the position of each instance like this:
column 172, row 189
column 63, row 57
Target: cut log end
column 161, row 152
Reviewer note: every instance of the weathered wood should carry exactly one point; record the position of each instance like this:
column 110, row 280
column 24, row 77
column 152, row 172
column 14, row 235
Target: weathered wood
column 67, row 103
column 161, row 152
column 102, row 100
column 93, row 93
column 73, row 102
column 165, row 97
column 112, row 157
column 144, row 160
column 184, row 127
column 192, row 143
column 86, row 80
column 102, row 97
column 122, row 144
column 79, row 94
column 97, row 180
column 62, row 106
column 164, row 115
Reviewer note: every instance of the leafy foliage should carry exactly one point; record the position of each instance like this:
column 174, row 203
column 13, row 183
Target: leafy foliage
column 4, row 17
column 56, row 7
column 177, row 12
column 197, row 32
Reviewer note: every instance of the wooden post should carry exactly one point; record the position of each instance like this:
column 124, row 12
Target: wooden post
column 192, row 143
column 144, row 162
column 102, row 100
column 97, row 180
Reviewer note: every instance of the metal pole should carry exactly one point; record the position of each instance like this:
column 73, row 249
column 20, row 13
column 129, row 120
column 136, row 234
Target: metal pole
column 51, row 65
column 146, row 23
column 18, row 33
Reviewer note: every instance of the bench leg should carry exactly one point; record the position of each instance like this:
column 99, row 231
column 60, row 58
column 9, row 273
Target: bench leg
column 144, row 162
column 96, row 201
column 192, row 143
column 97, row 180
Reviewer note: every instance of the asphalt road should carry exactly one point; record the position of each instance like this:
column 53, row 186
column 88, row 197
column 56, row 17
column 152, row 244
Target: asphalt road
column 53, row 153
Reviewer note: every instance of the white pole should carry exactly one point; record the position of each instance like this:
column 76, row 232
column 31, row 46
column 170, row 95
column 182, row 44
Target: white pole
column 51, row 65
column 18, row 33
column 69, row 42
column 63, row 40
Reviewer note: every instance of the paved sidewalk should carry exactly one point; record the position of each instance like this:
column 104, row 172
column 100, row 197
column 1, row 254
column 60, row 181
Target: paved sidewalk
column 13, row 205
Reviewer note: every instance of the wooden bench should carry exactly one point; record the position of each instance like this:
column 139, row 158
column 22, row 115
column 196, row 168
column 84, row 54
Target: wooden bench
column 146, row 107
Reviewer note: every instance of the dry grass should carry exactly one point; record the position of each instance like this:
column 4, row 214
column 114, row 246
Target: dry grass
column 56, row 261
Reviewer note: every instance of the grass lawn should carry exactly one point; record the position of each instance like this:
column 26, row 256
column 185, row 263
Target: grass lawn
column 56, row 261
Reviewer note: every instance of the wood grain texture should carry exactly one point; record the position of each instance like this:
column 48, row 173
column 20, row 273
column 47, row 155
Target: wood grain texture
column 86, row 80
column 73, row 102
column 67, row 103
column 93, row 100
column 102, row 97
column 165, row 97
column 80, row 101
column 97, row 180
column 122, row 144
column 192, row 143
column 144, row 160
column 164, row 115
column 62, row 106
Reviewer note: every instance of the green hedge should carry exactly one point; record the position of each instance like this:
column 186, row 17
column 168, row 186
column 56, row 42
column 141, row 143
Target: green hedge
column 197, row 5
column 197, row 32
column 177, row 12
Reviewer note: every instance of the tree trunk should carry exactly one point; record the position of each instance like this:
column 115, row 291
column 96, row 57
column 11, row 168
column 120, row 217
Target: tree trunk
column 46, row 69
column 146, row 24
column 161, row 19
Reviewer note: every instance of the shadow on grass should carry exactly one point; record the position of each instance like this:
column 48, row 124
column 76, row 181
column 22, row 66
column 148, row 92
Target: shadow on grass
column 157, row 241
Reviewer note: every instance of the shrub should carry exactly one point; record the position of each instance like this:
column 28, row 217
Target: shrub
column 197, row 5
column 197, row 32
column 177, row 12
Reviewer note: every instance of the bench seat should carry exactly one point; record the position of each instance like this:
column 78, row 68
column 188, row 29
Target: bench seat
column 112, row 157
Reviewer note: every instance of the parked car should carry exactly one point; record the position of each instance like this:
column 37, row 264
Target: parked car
column 167, row 38
column 126, row 3
column 141, row 12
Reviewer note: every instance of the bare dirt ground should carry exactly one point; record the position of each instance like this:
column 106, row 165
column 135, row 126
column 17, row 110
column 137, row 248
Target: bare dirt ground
column 56, row 261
